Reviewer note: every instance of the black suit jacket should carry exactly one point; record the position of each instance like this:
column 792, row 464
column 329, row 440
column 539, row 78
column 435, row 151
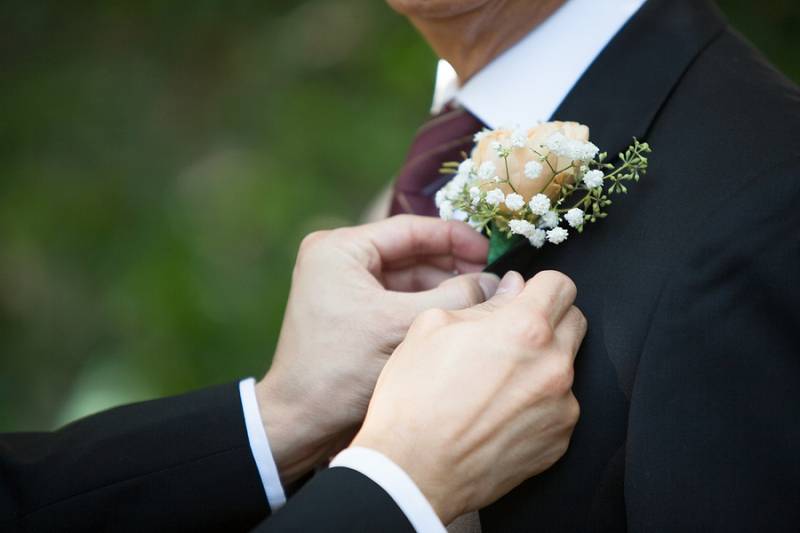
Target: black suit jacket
column 689, row 377
column 174, row 464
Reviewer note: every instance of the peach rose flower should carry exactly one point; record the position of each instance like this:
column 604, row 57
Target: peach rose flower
column 522, row 159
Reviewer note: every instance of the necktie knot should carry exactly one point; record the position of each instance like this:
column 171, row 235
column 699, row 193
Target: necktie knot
column 444, row 137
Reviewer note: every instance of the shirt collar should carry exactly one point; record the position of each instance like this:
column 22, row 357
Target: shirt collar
column 526, row 83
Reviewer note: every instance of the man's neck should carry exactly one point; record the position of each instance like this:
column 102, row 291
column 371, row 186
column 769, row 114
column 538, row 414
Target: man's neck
column 470, row 41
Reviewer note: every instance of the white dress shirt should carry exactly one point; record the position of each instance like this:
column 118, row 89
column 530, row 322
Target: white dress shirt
column 522, row 86
column 525, row 84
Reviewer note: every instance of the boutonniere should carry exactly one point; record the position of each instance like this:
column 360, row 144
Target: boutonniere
column 536, row 185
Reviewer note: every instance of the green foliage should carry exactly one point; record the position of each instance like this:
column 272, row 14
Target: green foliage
column 632, row 166
column 160, row 163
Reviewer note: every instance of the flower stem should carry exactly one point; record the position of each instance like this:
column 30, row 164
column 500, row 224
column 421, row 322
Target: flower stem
column 508, row 176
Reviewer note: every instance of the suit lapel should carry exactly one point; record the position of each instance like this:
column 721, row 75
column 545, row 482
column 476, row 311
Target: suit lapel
column 620, row 95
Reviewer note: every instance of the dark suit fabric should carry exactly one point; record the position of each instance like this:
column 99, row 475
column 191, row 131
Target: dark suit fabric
column 175, row 464
column 689, row 377
column 339, row 500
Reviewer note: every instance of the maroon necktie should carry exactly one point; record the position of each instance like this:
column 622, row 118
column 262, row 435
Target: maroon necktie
column 443, row 138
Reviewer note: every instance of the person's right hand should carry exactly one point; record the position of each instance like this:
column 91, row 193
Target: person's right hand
column 474, row 402
column 355, row 292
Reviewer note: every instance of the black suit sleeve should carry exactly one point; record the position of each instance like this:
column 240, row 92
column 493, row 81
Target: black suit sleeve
column 339, row 500
column 174, row 464
column 714, row 429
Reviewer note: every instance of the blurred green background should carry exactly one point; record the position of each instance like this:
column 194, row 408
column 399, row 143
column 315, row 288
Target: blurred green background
column 161, row 161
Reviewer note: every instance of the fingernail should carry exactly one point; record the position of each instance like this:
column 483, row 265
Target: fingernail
column 489, row 284
column 510, row 282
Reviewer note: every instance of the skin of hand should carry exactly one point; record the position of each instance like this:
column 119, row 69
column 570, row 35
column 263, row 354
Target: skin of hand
column 355, row 292
column 474, row 402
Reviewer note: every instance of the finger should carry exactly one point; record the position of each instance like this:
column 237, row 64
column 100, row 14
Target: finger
column 459, row 292
column 415, row 278
column 404, row 236
column 509, row 288
column 466, row 267
column 551, row 292
column 442, row 262
column 571, row 331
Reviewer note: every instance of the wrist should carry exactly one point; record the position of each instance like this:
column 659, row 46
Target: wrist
column 296, row 444
column 419, row 465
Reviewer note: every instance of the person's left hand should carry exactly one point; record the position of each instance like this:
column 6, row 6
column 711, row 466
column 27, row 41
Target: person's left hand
column 355, row 292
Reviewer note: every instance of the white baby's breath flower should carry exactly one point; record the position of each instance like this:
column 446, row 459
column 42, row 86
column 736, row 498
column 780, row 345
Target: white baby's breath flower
column 521, row 227
column 446, row 210
column 467, row 167
column 539, row 204
column 502, row 150
column 593, row 179
column 556, row 143
column 475, row 195
column 481, row 135
column 574, row 217
column 487, row 170
column 460, row 181
column 549, row 220
column 515, row 201
column 455, row 187
column 495, row 197
column 440, row 197
column 475, row 224
column 537, row 238
column 557, row 235
column 533, row 169
column 573, row 149
column 584, row 151
column 519, row 138
column 460, row 215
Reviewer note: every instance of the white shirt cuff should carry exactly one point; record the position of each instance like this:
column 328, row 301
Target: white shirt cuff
column 259, row 446
column 396, row 483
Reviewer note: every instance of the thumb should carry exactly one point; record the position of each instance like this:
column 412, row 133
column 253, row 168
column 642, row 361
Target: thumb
column 510, row 286
column 455, row 293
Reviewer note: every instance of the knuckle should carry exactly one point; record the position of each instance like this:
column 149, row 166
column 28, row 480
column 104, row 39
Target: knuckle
column 560, row 379
column 583, row 324
column 311, row 241
column 342, row 234
column 573, row 410
column 534, row 330
column 562, row 448
column 560, row 281
column 557, row 449
column 432, row 319
column 308, row 251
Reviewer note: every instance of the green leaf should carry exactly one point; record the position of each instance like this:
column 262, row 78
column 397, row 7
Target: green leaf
column 499, row 244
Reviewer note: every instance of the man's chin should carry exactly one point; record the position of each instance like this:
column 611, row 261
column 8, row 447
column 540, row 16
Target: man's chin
column 436, row 8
